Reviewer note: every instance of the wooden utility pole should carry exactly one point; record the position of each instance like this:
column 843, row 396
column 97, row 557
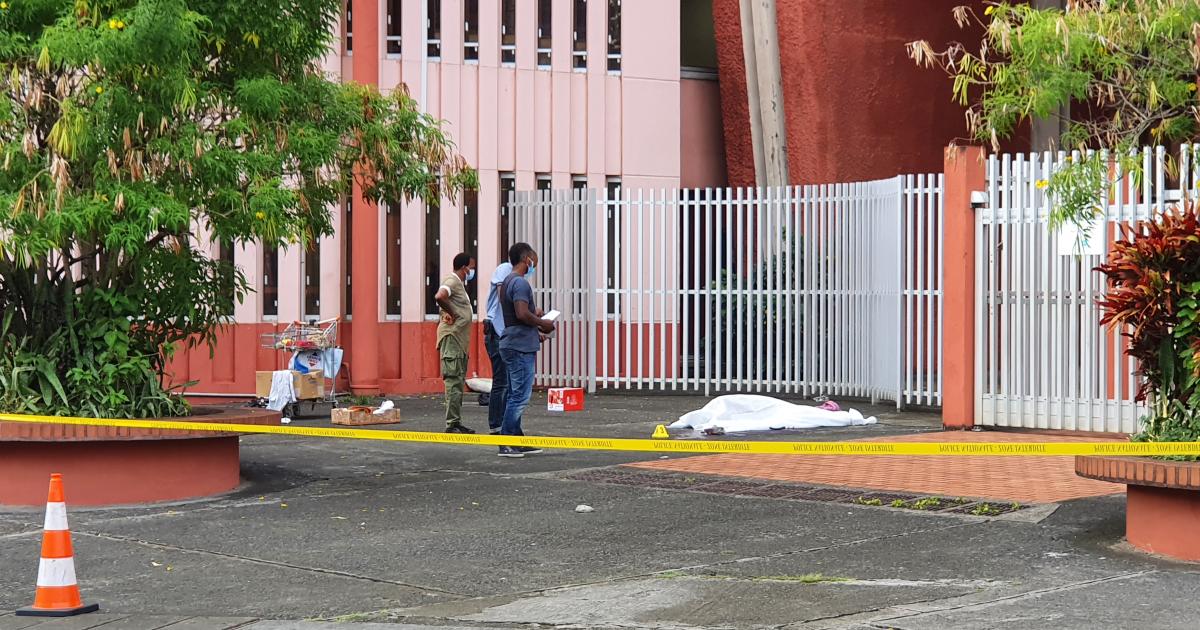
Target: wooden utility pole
column 764, row 91
column 748, row 50
column 1046, row 133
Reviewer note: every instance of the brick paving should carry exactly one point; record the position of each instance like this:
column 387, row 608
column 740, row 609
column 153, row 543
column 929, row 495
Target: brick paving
column 1026, row 479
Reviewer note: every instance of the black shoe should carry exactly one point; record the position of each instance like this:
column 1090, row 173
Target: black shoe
column 458, row 428
column 485, row 400
column 509, row 451
column 494, row 432
column 529, row 450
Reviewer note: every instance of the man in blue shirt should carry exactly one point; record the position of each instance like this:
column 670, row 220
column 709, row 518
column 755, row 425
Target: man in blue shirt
column 493, row 328
column 524, row 331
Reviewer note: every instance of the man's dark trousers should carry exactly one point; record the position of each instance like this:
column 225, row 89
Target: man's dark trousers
column 498, row 398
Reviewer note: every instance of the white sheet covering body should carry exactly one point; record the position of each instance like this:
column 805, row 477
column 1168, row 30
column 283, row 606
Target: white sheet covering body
column 742, row 412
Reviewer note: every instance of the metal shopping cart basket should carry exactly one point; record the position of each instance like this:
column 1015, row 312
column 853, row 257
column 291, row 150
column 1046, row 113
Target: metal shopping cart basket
column 313, row 347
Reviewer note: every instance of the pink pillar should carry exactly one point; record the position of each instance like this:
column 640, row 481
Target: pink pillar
column 364, row 342
column 964, row 169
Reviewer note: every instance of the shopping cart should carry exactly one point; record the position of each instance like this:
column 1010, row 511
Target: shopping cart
column 313, row 347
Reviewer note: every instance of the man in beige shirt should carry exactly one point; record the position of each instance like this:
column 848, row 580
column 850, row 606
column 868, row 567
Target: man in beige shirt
column 454, row 337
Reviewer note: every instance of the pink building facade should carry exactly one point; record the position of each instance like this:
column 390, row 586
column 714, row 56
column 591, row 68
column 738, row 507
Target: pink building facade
column 536, row 94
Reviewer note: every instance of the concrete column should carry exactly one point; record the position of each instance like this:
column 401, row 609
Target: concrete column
column 364, row 340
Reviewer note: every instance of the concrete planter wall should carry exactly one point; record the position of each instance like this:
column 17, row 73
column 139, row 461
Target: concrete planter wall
column 114, row 466
column 1162, row 513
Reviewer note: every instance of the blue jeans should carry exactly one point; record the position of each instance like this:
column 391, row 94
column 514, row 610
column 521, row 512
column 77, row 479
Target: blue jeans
column 499, row 396
column 520, row 387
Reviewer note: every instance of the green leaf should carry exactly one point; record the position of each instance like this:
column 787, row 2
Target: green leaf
column 50, row 379
column 43, row 61
column 1166, row 363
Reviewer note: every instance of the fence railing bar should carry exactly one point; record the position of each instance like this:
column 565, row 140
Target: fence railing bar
column 669, row 319
column 831, row 264
column 1020, row 361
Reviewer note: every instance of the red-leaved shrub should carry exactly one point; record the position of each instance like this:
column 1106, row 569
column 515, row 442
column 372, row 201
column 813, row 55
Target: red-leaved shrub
column 1153, row 280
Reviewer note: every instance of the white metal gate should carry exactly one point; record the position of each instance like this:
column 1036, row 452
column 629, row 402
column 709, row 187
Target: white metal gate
column 809, row 290
column 1042, row 360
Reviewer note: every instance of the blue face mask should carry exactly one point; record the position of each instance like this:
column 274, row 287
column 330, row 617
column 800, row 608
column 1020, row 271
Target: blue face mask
column 470, row 275
column 532, row 268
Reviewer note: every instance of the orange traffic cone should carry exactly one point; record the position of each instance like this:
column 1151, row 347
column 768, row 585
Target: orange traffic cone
column 57, row 591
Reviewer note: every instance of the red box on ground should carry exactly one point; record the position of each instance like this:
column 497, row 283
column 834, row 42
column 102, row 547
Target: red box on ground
column 565, row 399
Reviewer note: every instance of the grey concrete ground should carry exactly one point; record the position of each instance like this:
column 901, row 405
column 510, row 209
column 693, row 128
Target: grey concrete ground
column 343, row 533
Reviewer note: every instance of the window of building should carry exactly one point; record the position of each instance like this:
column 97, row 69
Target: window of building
column 394, row 12
column 471, row 238
column 546, row 248
column 471, row 30
column 614, row 35
column 614, row 244
column 312, row 280
column 508, row 185
column 433, row 29
column 545, row 28
column 348, row 258
column 225, row 255
column 349, row 28
column 579, row 186
column 579, row 35
column 270, row 285
column 508, row 31
column 697, row 36
column 392, row 259
column 433, row 254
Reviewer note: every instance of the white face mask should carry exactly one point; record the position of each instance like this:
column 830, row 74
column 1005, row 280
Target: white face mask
column 470, row 275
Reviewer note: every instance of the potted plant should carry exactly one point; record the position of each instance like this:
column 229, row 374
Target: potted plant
column 1154, row 296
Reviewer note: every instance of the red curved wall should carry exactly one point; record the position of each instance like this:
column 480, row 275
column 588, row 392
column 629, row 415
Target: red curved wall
column 857, row 107
column 119, row 472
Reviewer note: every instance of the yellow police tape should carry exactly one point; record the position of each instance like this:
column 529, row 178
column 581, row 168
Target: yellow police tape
column 652, row 445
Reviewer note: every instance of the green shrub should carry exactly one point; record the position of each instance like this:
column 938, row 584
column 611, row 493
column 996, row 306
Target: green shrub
column 1154, row 296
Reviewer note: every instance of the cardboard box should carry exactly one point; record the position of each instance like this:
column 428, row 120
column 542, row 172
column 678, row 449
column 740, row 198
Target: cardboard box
column 262, row 384
column 359, row 417
column 565, row 399
column 308, row 386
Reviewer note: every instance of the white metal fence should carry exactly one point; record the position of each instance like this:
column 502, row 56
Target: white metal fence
column 811, row 290
column 1042, row 359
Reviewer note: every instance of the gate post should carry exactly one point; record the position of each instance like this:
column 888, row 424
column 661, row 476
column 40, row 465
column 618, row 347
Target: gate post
column 964, row 169
column 903, row 256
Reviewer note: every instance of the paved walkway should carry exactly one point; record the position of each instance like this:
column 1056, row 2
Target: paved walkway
column 107, row 621
column 1026, row 479
column 432, row 536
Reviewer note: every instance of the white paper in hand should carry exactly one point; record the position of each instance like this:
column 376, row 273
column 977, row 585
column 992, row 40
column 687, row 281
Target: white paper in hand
column 552, row 315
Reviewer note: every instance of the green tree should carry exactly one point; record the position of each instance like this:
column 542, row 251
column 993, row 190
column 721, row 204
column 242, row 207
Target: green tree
column 131, row 124
column 1124, row 69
